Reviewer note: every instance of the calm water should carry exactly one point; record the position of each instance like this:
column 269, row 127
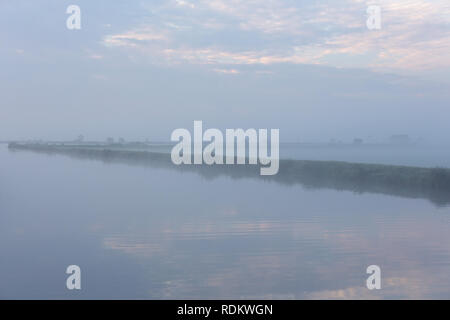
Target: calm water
column 420, row 156
column 143, row 232
column 408, row 155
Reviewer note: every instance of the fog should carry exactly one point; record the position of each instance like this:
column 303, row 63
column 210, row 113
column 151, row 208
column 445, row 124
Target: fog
column 111, row 78
column 92, row 91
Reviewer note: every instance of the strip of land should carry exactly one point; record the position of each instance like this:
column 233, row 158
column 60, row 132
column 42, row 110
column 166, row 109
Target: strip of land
column 432, row 184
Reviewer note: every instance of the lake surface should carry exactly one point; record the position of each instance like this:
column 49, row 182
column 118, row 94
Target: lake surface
column 156, row 233
column 407, row 155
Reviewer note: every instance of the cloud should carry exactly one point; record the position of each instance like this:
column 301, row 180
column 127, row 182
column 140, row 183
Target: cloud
column 185, row 3
column 134, row 38
column 415, row 34
column 227, row 71
column 96, row 56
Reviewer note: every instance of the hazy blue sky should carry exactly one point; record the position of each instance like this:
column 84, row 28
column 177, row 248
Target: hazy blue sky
column 139, row 69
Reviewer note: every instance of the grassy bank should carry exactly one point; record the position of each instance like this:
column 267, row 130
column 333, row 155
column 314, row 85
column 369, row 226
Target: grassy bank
column 412, row 182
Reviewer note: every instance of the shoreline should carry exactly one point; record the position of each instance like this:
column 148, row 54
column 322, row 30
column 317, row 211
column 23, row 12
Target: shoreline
column 432, row 184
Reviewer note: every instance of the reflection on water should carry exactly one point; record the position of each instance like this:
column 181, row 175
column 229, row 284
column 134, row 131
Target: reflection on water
column 405, row 181
column 149, row 232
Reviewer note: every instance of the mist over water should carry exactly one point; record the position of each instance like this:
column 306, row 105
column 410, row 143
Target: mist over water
column 412, row 155
column 148, row 232
column 356, row 92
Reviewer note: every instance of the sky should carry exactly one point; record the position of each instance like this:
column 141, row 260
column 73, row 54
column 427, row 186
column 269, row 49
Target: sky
column 140, row 69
